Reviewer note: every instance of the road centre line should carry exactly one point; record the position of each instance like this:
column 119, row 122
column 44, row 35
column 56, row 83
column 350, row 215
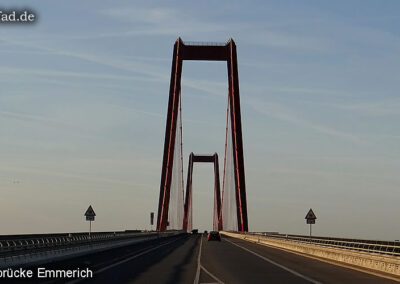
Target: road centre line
column 199, row 267
column 212, row 275
column 196, row 279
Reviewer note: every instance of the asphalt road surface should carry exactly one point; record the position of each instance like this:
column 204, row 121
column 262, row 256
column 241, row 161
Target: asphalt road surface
column 238, row 261
column 193, row 259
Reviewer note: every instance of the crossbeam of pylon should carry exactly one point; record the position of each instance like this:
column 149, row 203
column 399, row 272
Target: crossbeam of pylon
column 217, row 222
column 219, row 52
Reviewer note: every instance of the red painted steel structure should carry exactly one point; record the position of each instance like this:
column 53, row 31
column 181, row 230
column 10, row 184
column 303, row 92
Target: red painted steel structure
column 216, row 52
column 217, row 225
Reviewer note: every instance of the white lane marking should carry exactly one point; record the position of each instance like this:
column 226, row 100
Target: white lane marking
column 196, row 279
column 125, row 260
column 212, row 275
column 204, row 269
column 277, row 264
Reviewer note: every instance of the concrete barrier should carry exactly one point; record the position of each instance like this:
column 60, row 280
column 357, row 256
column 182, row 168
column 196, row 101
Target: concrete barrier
column 381, row 264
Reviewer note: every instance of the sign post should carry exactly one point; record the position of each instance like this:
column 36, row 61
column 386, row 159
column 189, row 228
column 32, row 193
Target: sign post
column 90, row 217
column 310, row 218
column 151, row 220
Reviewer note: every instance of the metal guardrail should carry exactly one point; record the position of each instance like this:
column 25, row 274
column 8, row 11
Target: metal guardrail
column 202, row 43
column 22, row 244
column 38, row 249
column 370, row 246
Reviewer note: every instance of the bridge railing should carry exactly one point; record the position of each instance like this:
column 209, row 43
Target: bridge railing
column 204, row 43
column 19, row 244
column 27, row 250
column 369, row 246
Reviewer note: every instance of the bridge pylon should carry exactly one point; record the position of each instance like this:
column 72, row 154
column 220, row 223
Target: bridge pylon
column 211, row 52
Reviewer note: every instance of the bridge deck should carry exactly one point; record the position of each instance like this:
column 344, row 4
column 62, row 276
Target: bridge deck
column 192, row 259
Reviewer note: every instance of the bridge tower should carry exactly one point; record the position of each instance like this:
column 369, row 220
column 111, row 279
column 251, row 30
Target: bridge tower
column 173, row 174
column 187, row 217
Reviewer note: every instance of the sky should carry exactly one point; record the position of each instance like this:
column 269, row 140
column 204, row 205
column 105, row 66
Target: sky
column 83, row 104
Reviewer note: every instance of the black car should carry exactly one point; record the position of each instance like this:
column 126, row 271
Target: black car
column 214, row 236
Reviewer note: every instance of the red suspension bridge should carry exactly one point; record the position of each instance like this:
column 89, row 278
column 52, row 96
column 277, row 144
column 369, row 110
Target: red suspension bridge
column 173, row 256
column 175, row 208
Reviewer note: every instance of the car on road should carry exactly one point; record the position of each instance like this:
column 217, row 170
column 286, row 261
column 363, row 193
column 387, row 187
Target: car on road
column 195, row 231
column 214, row 236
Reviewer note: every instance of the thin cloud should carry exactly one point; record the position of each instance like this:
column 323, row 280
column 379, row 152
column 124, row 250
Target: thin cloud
column 159, row 21
column 153, row 72
column 273, row 110
column 76, row 177
column 56, row 73
column 382, row 108
column 282, row 113
column 30, row 117
column 295, row 91
column 274, row 38
column 165, row 21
